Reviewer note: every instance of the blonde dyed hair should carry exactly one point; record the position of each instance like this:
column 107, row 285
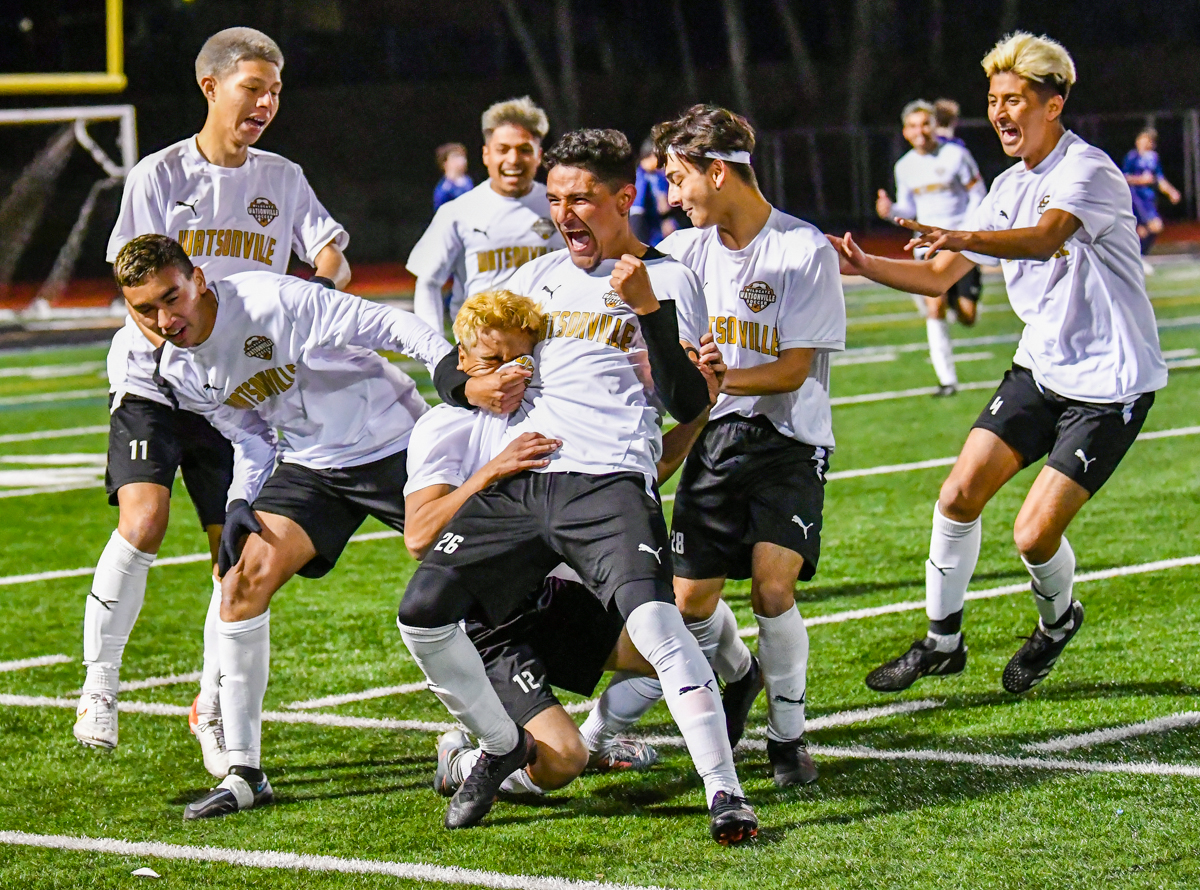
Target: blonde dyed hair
column 1036, row 59
column 222, row 52
column 521, row 112
column 500, row 309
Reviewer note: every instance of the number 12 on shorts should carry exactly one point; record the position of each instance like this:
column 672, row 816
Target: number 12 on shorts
column 527, row 681
column 133, row 448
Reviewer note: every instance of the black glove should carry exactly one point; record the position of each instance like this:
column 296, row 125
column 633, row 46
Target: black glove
column 239, row 522
column 323, row 281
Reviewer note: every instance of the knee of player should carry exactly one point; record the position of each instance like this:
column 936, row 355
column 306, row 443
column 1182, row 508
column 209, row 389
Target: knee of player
column 1033, row 541
column 773, row 597
column 144, row 525
column 560, row 764
column 958, row 502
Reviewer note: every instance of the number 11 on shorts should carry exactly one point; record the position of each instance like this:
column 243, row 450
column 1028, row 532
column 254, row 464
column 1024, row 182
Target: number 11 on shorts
column 133, row 449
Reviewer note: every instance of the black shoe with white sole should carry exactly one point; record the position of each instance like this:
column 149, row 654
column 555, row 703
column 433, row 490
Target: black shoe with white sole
column 791, row 764
column 1034, row 660
column 732, row 821
column 233, row 795
column 921, row 660
column 475, row 796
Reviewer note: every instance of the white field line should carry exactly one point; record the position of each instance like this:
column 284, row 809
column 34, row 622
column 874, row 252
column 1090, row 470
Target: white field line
column 41, row 661
column 1002, row 761
column 914, row 315
column 841, row 358
column 158, row 709
column 330, row 701
column 1184, row 363
column 154, row 682
column 961, row 357
column 53, row 434
column 46, row 372
column 989, row 593
column 48, row 489
column 268, row 859
column 581, row 707
column 907, row 393
column 34, row 398
column 862, row 715
column 161, row 561
column 1117, row 733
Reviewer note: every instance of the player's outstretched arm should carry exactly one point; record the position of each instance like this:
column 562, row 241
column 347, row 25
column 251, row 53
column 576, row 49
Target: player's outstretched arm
column 786, row 374
column 931, row 277
column 1038, row 242
column 427, row 511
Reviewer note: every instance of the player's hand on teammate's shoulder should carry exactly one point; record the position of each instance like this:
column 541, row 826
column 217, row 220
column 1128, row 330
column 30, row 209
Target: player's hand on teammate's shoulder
column 529, row 451
column 851, row 258
column 631, row 280
column 712, row 365
column 931, row 237
column 499, row 392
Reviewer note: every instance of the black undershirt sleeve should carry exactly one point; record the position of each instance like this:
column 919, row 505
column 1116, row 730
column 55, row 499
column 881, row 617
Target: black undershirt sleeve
column 450, row 382
column 678, row 382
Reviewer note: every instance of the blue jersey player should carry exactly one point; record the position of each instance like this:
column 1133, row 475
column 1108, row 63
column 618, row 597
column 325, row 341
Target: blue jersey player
column 1144, row 173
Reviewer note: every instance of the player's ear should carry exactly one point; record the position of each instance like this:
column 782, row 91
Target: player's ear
column 625, row 198
column 717, row 174
column 200, row 281
column 1054, row 107
column 208, row 86
column 462, row 358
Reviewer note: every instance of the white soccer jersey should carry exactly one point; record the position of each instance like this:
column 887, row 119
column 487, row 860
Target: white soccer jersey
column 449, row 444
column 482, row 238
column 1090, row 332
column 591, row 387
column 292, row 356
column 228, row 219
column 781, row 291
column 939, row 188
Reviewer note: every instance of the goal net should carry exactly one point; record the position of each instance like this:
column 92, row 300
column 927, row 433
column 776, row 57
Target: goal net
column 80, row 157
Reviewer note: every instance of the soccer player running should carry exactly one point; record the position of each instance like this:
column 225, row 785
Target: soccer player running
column 751, row 494
column 235, row 209
column 560, row 636
column 483, row 237
column 259, row 354
column 1084, row 374
column 619, row 315
column 937, row 183
column 1144, row 173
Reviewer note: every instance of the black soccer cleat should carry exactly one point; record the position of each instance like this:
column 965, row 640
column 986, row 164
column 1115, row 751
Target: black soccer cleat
column 944, row 390
column 737, row 699
column 922, row 659
column 791, row 764
column 1034, row 660
column 233, row 795
column 475, row 796
column 732, row 821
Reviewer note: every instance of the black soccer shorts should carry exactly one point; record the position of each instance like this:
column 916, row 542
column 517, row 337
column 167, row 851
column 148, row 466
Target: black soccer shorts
column 969, row 287
column 744, row 483
column 504, row 540
column 561, row 638
column 1084, row 440
column 330, row 505
column 149, row 441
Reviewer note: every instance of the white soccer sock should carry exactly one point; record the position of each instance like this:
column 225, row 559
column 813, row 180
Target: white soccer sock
column 210, row 675
column 244, row 653
column 457, row 676
column 953, row 553
column 621, row 705
column 783, row 654
column 689, row 687
column 941, row 353
column 118, row 590
column 1052, row 582
column 732, row 658
column 519, row 782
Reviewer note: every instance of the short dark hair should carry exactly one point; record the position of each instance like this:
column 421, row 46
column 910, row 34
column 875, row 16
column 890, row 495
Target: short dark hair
column 606, row 154
column 144, row 255
column 444, row 151
column 705, row 128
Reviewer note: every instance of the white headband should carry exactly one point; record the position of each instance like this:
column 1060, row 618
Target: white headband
column 732, row 157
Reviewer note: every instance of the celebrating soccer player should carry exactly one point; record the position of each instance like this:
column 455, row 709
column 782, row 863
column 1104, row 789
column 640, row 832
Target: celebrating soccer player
column 619, row 316
column 938, row 184
column 751, row 495
column 484, row 236
column 1084, row 374
column 1144, row 173
column 234, row 209
column 257, row 354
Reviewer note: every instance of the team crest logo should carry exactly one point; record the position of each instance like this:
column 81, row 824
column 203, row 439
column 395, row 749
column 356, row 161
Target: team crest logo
column 544, row 227
column 612, row 299
column 524, row 361
column 758, row 295
column 259, row 347
column 1042, row 203
column 263, row 210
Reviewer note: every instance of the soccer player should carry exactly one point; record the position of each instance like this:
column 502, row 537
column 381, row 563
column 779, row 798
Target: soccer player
column 1144, row 173
column 938, row 184
column 561, row 636
column 751, row 495
column 484, row 236
column 259, row 353
column 452, row 161
column 1084, row 374
column 235, row 209
column 619, row 317
column 945, row 116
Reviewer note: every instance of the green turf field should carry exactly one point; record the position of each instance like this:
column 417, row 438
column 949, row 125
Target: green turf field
column 938, row 787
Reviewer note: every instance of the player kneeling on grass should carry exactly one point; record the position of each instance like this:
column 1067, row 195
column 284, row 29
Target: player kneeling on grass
column 257, row 353
column 561, row 636
column 614, row 348
column 1085, row 371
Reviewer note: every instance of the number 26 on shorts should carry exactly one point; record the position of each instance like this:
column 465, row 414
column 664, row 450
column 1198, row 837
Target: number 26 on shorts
column 449, row 542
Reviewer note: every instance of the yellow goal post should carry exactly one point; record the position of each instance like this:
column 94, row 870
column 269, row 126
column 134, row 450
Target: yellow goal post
column 111, row 80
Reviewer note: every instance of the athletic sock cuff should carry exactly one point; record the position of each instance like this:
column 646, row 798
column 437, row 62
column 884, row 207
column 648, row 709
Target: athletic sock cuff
column 950, row 527
column 241, row 628
column 1061, row 558
column 128, row 554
